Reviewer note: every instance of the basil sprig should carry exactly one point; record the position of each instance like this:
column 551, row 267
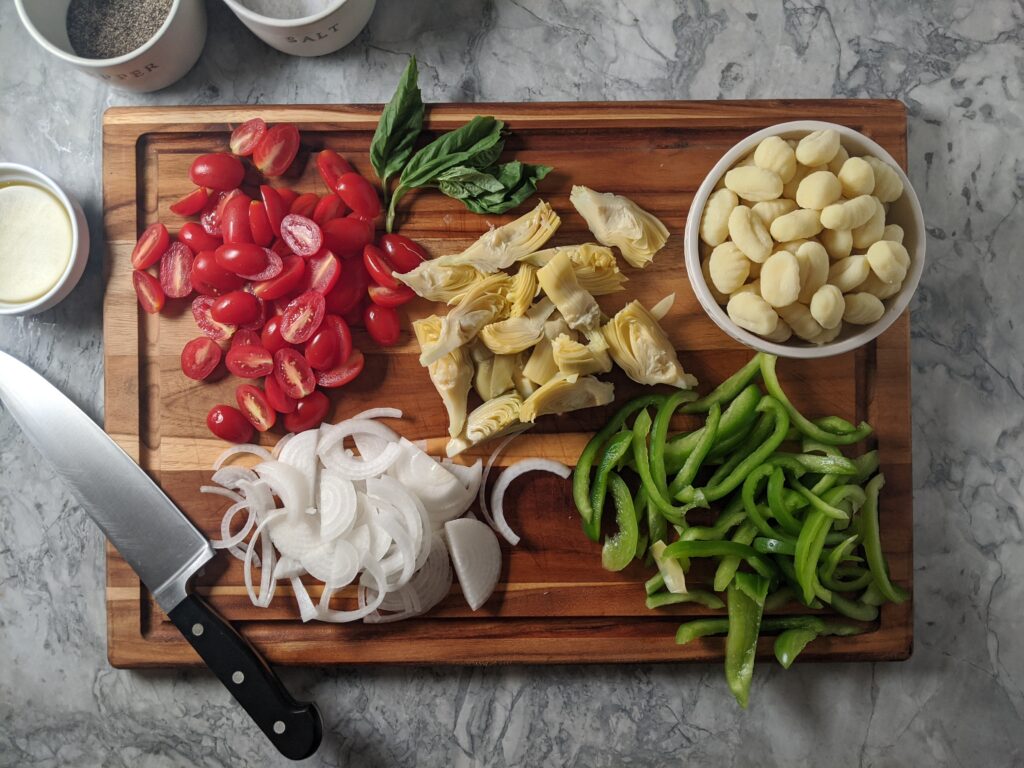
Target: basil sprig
column 400, row 123
column 492, row 190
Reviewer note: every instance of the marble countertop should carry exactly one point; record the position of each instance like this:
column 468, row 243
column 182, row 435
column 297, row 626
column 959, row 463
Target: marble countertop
column 958, row 701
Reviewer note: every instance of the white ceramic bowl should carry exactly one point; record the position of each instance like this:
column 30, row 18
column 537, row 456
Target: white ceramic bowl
column 162, row 60
column 325, row 32
column 79, row 241
column 906, row 212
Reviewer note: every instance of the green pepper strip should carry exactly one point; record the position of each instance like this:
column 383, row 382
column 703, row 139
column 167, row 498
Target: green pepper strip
column 749, row 493
column 726, row 522
column 616, row 448
column 836, row 556
column 837, row 425
column 811, row 462
column 722, row 549
column 869, row 530
column 853, row 609
column 808, row 550
column 806, row 427
column 691, row 630
column 779, row 507
column 640, row 507
column 654, row 584
column 724, row 446
column 793, row 640
column 859, row 579
column 641, row 428
column 728, row 389
column 757, row 435
column 817, row 503
column 659, row 433
column 693, row 461
column 707, row 599
column 774, row 546
column 867, row 465
column 872, row 596
column 736, row 419
column 849, row 498
column 780, row 597
column 728, row 566
column 746, row 597
column 619, row 550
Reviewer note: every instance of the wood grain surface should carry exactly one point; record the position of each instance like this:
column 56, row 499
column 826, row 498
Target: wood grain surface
column 554, row 602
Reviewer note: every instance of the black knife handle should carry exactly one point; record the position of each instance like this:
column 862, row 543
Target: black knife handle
column 295, row 728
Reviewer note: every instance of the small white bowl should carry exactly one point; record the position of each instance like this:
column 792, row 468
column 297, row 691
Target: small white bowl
column 79, row 241
column 906, row 212
column 157, row 63
column 320, row 33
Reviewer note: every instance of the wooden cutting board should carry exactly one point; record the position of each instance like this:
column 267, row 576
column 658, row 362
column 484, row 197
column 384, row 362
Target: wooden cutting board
column 554, row 602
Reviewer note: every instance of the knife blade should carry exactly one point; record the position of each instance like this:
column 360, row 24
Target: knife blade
column 160, row 544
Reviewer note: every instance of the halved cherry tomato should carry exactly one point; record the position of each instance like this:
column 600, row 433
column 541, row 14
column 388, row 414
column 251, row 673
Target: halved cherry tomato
column 247, row 338
column 249, row 362
column 303, row 235
column 405, row 254
column 276, row 207
column 201, row 307
column 304, row 204
column 382, row 324
column 322, row 272
column 242, row 258
column 294, row 267
column 259, row 224
column 341, row 330
column 288, row 197
column 252, row 402
column 176, row 271
column 275, row 266
column 280, row 247
column 236, row 308
column 391, row 297
column 256, row 324
column 278, row 400
column 229, row 424
column 198, row 239
column 210, row 278
column 192, row 203
column 271, row 337
column 321, row 350
column 309, row 412
column 218, row 170
column 293, row 373
column 302, row 317
column 151, row 245
column 327, row 208
column 356, row 317
column 147, row 288
column 235, row 224
column 358, row 194
column 350, row 288
column 332, row 167
column 200, row 358
column 379, row 266
column 213, row 213
column 245, row 137
column 277, row 149
column 344, row 373
column 347, row 236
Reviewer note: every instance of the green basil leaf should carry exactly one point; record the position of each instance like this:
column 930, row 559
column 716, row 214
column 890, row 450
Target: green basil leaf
column 493, row 190
column 459, row 147
column 399, row 125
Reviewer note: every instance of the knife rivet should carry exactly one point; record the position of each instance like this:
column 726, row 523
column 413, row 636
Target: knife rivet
column 238, row 678
column 278, row 727
column 197, row 629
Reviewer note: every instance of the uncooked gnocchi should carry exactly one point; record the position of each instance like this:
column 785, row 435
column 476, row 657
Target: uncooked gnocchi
column 780, row 279
column 870, row 231
column 838, row 242
column 769, row 210
column 714, row 222
column 750, row 312
column 848, row 214
column 753, row 183
column 817, row 147
column 728, row 267
column 749, row 233
column 846, row 274
column 827, row 306
column 774, row 154
column 888, row 186
column 862, row 309
column 799, row 224
column 889, row 260
column 817, row 190
column 856, row 178
column 814, row 264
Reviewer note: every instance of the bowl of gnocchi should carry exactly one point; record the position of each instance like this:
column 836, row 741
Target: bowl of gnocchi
column 805, row 240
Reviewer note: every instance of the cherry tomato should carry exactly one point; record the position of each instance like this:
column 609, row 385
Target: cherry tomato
column 356, row 317
column 236, row 308
column 302, row 317
column 176, row 271
column 276, row 207
column 210, row 278
column 405, row 254
column 249, row 362
column 379, row 266
column 271, row 337
column 198, row 239
column 275, row 266
column 147, row 288
column 350, row 288
column 246, row 338
column 341, row 330
column 242, row 258
column 278, row 400
column 309, row 412
column 256, row 324
column 213, row 213
column 218, row 170
column 245, row 137
column 252, row 402
column 229, row 424
column 302, row 235
column 304, row 204
column 321, row 350
column 344, row 373
column 382, row 324
column 259, row 224
column 277, row 149
column 288, row 196
column 280, row 247
column 151, row 245
column 201, row 312
column 293, row 270
column 192, row 203
column 322, row 272
column 391, row 297
column 293, row 373
column 327, row 208
column 332, row 167
column 235, row 224
column 358, row 194
column 347, row 236
column 200, row 358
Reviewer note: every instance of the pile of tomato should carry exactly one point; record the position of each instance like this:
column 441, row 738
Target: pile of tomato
column 281, row 278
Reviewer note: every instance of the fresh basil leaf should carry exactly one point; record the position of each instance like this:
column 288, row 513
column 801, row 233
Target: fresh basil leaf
column 493, row 190
column 399, row 125
column 463, row 146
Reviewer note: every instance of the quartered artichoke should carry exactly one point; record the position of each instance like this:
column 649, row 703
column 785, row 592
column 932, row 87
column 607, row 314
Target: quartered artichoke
column 507, row 337
column 479, row 306
column 440, row 282
column 572, row 357
column 559, row 282
column 541, row 366
column 451, row 375
column 522, row 291
column 566, row 393
column 493, row 418
column 640, row 347
column 502, row 247
column 617, row 220
column 596, row 269
column 524, row 386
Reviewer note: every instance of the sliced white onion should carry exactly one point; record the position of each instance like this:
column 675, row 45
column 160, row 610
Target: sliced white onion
column 365, row 466
column 476, row 556
column 234, row 450
column 482, row 497
column 505, row 480
column 227, row 539
column 403, row 560
column 217, row 490
column 288, row 567
column 300, row 454
column 259, row 496
column 336, row 563
column 379, row 413
column 230, row 477
column 413, row 514
column 287, row 483
column 281, row 444
column 662, row 308
column 337, row 503
column 428, row 587
column 307, row 611
column 442, row 493
column 266, row 593
column 324, row 612
column 295, row 534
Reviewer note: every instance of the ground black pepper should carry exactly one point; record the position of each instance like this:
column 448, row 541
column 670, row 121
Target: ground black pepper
column 104, row 29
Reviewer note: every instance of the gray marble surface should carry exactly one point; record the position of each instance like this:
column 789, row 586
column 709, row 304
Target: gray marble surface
column 959, row 701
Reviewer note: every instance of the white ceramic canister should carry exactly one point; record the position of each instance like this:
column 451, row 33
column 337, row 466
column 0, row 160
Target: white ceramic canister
column 162, row 60
column 321, row 33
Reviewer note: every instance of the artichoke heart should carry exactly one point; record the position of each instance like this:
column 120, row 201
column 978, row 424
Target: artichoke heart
column 440, row 282
column 480, row 306
column 595, row 266
column 502, row 247
column 617, row 220
column 572, row 357
column 508, row 337
column 494, row 417
column 451, row 374
column 523, row 384
column 541, row 367
column 567, row 393
column 523, row 290
column 558, row 281
column 640, row 347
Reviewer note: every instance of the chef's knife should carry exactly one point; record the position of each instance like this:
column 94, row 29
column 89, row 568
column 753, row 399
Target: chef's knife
column 160, row 543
